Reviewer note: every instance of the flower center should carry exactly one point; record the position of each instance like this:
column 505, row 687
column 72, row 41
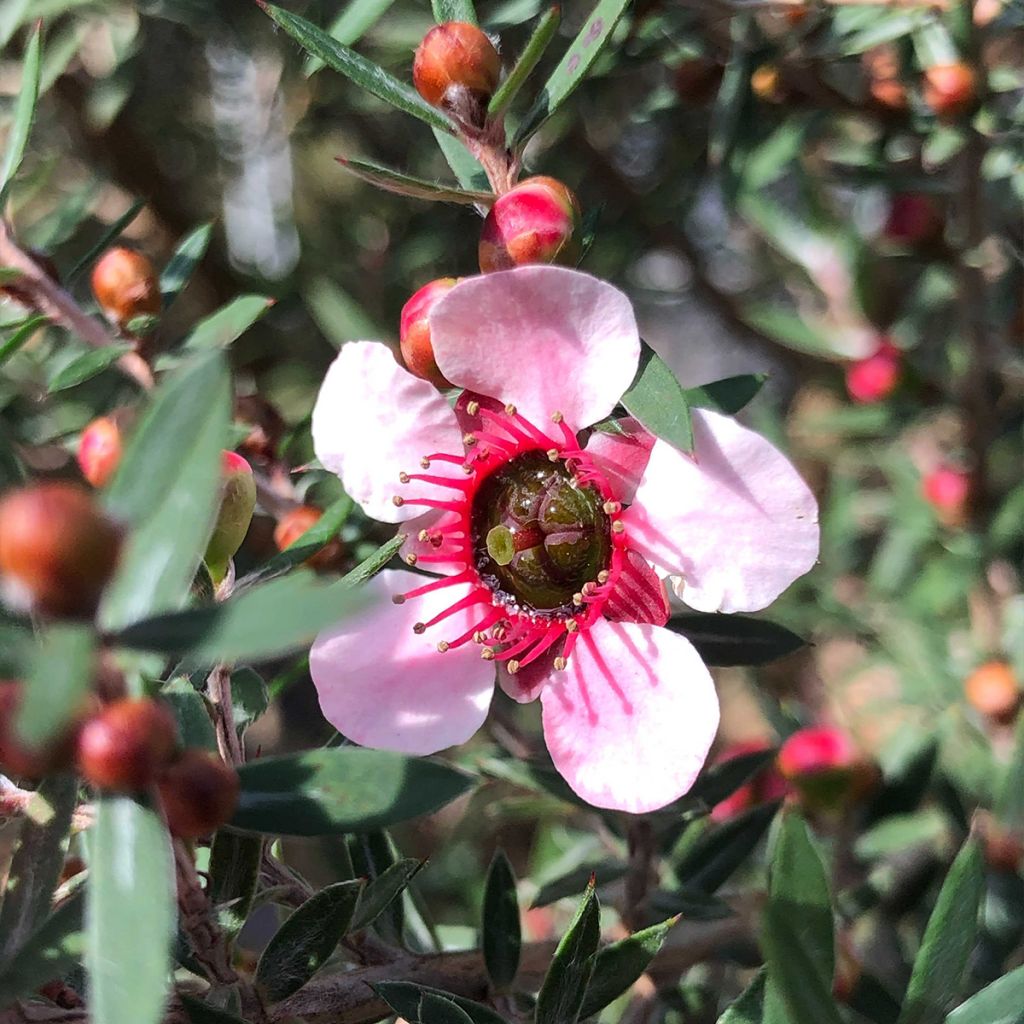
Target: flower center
column 538, row 536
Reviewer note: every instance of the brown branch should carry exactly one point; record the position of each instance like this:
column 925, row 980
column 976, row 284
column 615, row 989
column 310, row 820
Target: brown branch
column 47, row 297
column 640, row 833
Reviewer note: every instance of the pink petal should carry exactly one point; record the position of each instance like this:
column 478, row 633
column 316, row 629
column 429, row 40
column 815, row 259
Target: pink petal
column 372, row 420
column 638, row 594
column 630, row 720
column 735, row 521
column 526, row 684
column 382, row 685
column 543, row 338
column 430, row 521
column 622, row 458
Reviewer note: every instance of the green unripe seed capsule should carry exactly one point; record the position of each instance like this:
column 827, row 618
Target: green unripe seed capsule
column 238, row 501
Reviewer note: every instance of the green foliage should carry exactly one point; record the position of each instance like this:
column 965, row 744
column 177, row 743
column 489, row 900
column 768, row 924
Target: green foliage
column 565, row 985
column 659, row 402
column 500, row 931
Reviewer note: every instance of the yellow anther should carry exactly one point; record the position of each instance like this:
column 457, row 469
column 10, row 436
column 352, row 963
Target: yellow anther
column 612, row 508
column 553, row 454
column 577, row 599
column 468, row 440
column 618, row 526
column 512, row 666
column 425, row 462
column 588, row 588
column 478, row 637
column 443, row 646
column 510, row 409
column 557, row 417
column 473, row 407
column 423, row 536
column 403, row 477
column 571, row 625
column 398, row 500
column 560, row 663
column 487, row 654
column 411, row 559
column 602, row 576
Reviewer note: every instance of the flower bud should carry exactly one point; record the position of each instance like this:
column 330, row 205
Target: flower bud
column 992, row 690
column 292, row 525
column 238, row 500
column 99, row 450
column 875, row 378
column 536, row 222
column 949, row 89
column 882, row 67
column 199, row 793
column 823, row 765
column 125, row 285
column 766, row 785
column 414, row 331
column 15, row 757
column 913, row 218
column 457, row 67
column 57, row 549
column 766, row 84
column 948, row 490
column 124, row 746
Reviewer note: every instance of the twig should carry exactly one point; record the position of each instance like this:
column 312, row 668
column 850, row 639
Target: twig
column 640, row 836
column 47, row 297
column 209, row 944
column 15, row 802
column 218, row 685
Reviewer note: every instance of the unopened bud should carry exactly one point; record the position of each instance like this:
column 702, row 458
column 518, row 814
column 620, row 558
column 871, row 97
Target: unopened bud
column 124, row 746
column 57, row 549
column 824, row 767
column 125, row 285
column 199, row 793
column 457, row 67
column 291, row 527
column 950, row 89
column 237, row 503
column 99, row 450
column 766, row 84
column 992, row 690
column 948, row 490
column 883, row 68
column 875, row 378
column 414, row 331
column 538, row 221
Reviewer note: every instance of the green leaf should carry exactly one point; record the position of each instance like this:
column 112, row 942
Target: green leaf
column 58, row 682
column 618, row 965
column 250, row 697
column 306, row 940
column 453, row 10
column 1009, row 806
column 538, row 42
column 367, row 75
column 233, row 873
column 437, row 1009
column 111, row 235
column 800, row 332
column 733, row 96
column 195, row 727
column 565, row 984
column 727, row 396
column 720, row 850
column 656, row 399
column 604, row 873
column 37, row 862
column 748, row 1009
column 182, row 265
column 500, row 930
column 724, row 640
column 941, row 963
column 372, row 564
column 723, row 779
column 130, row 912
column 88, row 365
column 230, row 322
column 50, row 951
column 573, row 67
column 381, row 891
column 416, row 188
column 12, row 473
column 690, row 904
column 341, row 789
column 24, row 113
column 358, row 17
column 406, row 999
column 17, row 340
column 466, row 168
column 1002, row 1002
column 258, row 623
column 167, row 488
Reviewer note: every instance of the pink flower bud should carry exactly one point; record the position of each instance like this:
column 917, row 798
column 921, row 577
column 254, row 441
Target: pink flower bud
column 536, row 222
column 457, row 67
column 238, row 500
column 99, row 450
column 948, row 490
column 766, row 785
column 414, row 331
column 875, row 378
column 125, row 285
column 992, row 690
column 824, row 766
column 950, row 89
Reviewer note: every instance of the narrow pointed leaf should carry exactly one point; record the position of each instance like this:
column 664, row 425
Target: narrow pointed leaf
column 454, row 10
column 88, row 365
column 723, row 779
column 233, row 872
column 357, row 18
column 182, row 265
column 24, row 113
column 306, row 940
column 565, row 984
column 1002, row 1002
column 436, row 1009
column 466, row 168
column 18, row 339
column 111, row 235
column 367, row 75
column 749, row 1008
column 545, row 31
column 501, row 932
column 229, row 323
column 381, row 891
column 417, row 188
column 658, row 401
column 724, row 640
column 372, row 564
column 406, row 998
column 727, row 396
column 51, row 950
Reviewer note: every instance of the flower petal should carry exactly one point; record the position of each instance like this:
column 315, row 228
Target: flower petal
column 630, row 720
column 372, row 420
column 735, row 520
column 543, row 338
column 622, row 457
column 432, row 521
column 382, row 685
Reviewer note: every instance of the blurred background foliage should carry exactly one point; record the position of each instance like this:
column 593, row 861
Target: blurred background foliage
column 772, row 185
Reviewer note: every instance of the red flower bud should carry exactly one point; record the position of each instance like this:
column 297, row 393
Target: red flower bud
column 948, row 490
column 125, row 285
column 766, row 785
column 823, row 765
column 414, row 331
column 237, row 503
column 949, row 89
column 199, row 793
column 875, row 378
column 15, row 757
column 57, row 549
column 913, row 218
column 126, row 745
column 536, row 222
column 992, row 690
column 292, row 525
column 457, row 67
column 99, row 450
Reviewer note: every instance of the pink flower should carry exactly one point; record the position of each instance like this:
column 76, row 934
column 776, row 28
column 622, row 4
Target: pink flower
column 551, row 550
